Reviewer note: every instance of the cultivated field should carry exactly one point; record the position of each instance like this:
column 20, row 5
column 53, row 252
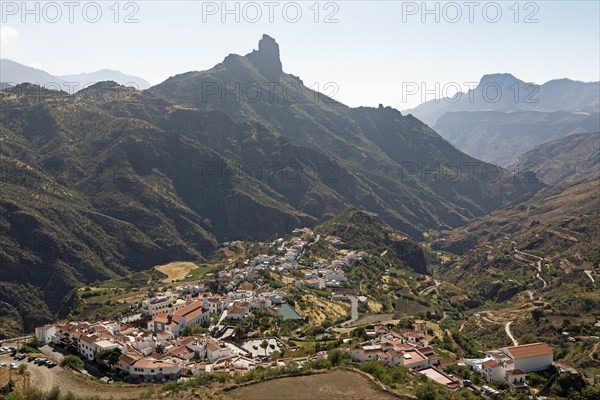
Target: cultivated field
column 318, row 309
column 176, row 270
column 375, row 319
column 339, row 384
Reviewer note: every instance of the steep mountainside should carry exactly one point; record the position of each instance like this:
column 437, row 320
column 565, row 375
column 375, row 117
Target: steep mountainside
column 399, row 167
column 540, row 213
column 113, row 180
column 545, row 249
column 500, row 137
column 89, row 195
column 571, row 158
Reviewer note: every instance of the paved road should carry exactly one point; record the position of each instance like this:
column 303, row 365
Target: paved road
column 17, row 339
column 509, row 333
column 537, row 264
column 541, row 279
column 593, row 350
column 50, row 352
column 353, row 312
column 506, row 328
column 430, row 288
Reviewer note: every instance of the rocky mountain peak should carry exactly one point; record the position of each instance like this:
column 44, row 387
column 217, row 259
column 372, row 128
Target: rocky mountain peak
column 500, row 79
column 266, row 58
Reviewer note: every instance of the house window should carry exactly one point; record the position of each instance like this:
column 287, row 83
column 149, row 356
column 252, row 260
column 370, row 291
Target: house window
column 152, row 370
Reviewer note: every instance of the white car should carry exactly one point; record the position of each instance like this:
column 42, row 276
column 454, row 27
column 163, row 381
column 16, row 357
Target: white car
column 2, row 365
column 13, row 365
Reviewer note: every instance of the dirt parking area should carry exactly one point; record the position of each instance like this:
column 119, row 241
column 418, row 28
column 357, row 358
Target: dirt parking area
column 338, row 384
column 45, row 378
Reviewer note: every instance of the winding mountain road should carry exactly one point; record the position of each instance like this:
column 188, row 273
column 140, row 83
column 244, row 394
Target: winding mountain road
column 509, row 333
column 589, row 274
column 430, row 288
column 506, row 327
column 537, row 264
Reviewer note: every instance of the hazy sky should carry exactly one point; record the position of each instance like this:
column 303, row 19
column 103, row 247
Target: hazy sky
column 369, row 49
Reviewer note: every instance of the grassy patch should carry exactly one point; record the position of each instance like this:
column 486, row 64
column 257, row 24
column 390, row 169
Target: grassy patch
column 311, row 343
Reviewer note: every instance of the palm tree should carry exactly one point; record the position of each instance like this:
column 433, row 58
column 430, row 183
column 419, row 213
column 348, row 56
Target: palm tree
column 264, row 345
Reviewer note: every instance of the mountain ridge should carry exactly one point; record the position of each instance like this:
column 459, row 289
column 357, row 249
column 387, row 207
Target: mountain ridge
column 15, row 73
column 512, row 93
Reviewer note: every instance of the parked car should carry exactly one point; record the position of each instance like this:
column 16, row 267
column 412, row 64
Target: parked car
column 30, row 358
column 13, row 365
column 40, row 361
column 19, row 356
column 2, row 365
column 50, row 364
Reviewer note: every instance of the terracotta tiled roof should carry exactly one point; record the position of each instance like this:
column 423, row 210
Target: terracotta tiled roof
column 163, row 335
column 179, row 350
column 236, row 310
column 161, row 317
column 515, row 372
column 130, row 357
column 152, row 363
column 189, row 308
column 529, row 350
column 195, row 314
column 491, row 364
column 212, row 346
column 89, row 338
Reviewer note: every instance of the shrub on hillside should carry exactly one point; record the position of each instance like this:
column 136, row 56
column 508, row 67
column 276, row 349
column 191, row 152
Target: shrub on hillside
column 72, row 362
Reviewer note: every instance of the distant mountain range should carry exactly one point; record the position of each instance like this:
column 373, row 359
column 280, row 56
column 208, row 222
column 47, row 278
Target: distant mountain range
column 113, row 180
column 13, row 73
column 505, row 116
column 506, row 93
column 501, row 137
